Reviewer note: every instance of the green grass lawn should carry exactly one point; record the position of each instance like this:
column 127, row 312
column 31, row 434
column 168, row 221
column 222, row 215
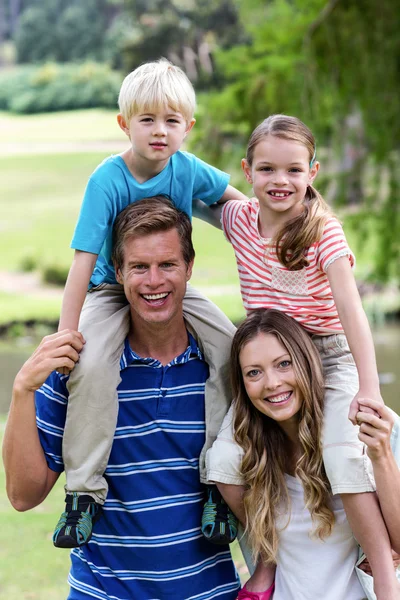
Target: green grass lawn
column 93, row 125
column 30, row 567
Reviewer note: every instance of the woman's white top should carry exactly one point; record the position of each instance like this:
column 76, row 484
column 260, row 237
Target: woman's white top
column 311, row 569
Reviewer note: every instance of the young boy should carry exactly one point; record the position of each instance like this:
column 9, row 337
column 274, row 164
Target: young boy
column 156, row 103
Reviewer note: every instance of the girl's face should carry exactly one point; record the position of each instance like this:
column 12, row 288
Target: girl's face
column 269, row 379
column 280, row 174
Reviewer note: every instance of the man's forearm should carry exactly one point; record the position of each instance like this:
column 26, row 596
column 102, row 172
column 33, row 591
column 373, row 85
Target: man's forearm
column 27, row 474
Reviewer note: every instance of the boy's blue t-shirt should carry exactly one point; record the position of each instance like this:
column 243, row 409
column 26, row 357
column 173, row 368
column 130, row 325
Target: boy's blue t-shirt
column 112, row 187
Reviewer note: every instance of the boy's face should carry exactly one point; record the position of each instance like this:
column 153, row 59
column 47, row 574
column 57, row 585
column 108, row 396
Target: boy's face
column 156, row 135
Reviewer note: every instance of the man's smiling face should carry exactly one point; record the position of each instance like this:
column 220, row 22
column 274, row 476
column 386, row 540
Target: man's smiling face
column 154, row 275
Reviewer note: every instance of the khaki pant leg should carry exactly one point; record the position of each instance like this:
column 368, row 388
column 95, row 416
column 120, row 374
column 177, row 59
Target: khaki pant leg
column 214, row 332
column 347, row 465
column 93, row 400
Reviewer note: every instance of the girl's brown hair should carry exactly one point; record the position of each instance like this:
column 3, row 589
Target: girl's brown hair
column 265, row 445
column 294, row 239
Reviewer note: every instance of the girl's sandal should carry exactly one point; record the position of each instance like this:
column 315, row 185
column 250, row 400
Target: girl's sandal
column 245, row 594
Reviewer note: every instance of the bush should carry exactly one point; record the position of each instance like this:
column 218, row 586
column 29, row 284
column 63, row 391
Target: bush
column 28, row 263
column 54, row 87
column 55, row 274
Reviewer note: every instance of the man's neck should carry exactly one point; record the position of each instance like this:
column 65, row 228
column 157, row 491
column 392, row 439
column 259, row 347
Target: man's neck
column 142, row 169
column 162, row 341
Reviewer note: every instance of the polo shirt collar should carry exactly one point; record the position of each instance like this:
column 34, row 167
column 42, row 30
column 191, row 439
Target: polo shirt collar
column 129, row 356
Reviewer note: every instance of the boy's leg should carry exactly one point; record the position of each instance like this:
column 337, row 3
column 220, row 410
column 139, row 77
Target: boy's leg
column 347, row 465
column 93, row 400
column 214, row 333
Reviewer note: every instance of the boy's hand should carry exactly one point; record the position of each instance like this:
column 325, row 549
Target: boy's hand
column 357, row 405
column 57, row 351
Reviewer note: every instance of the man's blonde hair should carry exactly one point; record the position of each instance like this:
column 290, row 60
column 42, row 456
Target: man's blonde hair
column 154, row 85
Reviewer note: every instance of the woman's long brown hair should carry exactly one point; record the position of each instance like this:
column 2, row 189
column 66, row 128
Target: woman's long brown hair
column 265, row 445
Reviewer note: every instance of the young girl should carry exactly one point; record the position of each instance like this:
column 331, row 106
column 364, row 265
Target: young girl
column 292, row 255
column 293, row 521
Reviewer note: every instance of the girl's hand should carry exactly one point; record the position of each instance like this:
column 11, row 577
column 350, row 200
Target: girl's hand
column 357, row 405
column 375, row 428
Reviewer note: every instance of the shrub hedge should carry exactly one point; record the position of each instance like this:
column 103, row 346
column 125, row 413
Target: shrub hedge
column 52, row 87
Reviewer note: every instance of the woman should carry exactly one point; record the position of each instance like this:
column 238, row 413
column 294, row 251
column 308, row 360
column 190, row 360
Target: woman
column 298, row 532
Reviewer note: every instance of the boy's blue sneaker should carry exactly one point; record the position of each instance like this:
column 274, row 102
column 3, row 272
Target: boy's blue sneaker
column 74, row 528
column 218, row 523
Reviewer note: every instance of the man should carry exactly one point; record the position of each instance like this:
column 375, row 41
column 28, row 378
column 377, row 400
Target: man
column 148, row 543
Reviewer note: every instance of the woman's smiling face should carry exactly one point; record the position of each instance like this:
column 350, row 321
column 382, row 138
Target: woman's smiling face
column 269, row 378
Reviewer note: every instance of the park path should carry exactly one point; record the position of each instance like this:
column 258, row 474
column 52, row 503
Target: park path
column 27, row 283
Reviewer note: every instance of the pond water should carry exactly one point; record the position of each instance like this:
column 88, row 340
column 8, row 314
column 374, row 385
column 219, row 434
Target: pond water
column 387, row 344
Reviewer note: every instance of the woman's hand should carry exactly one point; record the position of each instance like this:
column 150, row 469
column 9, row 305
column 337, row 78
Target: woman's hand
column 375, row 428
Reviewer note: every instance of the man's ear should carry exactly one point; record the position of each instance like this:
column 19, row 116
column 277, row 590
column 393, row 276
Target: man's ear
column 190, row 126
column 246, row 168
column 189, row 270
column 313, row 171
column 123, row 124
column 118, row 276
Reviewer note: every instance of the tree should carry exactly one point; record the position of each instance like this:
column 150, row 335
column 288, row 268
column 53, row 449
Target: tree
column 35, row 35
column 184, row 31
column 331, row 63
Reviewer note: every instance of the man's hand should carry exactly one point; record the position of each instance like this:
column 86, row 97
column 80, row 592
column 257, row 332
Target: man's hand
column 54, row 352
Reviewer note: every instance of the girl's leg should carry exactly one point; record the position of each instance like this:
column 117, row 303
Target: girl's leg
column 365, row 518
column 348, row 467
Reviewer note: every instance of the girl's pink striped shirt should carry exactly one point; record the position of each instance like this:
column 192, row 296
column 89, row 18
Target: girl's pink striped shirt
column 304, row 295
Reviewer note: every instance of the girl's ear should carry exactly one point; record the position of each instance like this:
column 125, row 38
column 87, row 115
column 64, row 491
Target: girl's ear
column 313, row 172
column 247, row 171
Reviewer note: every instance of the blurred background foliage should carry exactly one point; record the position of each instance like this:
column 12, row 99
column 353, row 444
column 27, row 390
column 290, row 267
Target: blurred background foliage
column 333, row 63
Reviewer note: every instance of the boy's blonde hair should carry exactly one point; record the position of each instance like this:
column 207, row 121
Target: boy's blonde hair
column 154, row 85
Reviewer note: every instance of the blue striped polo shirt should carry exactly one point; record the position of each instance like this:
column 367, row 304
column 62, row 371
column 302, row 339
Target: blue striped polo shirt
column 148, row 544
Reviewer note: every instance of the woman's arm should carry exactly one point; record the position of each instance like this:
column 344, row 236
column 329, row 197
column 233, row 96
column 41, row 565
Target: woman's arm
column 233, row 496
column 375, row 432
column 356, row 327
column 264, row 575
